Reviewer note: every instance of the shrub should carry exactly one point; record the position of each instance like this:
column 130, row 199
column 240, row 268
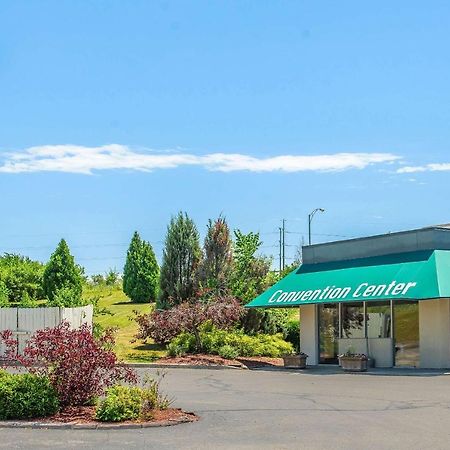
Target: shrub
column 4, row 300
column 152, row 397
column 121, row 403
column 78, row 366
column 292, row 334
column 228, row 352
column 24, row 396
column 162, row 326
column 27, row 302
column 233, row 343
column 130, row 403
column 66, row 297
column 21, row 274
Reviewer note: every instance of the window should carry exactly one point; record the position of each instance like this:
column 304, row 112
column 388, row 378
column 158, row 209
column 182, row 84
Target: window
column 352, row 320
column 378, row 319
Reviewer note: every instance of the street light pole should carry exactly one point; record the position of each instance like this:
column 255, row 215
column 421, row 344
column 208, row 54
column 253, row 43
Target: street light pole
column 310, row 218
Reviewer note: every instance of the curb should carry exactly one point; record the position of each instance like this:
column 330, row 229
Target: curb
column 182, row 366
column 92, row 426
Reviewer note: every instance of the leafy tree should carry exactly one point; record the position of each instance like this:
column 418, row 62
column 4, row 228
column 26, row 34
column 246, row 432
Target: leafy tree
column 26, row 301
column 4, row 300
column 141, row 271
column 97, row 279
column 20, row 274
column 181, row 259
column 112, row 276
column 216, row 267
column 61, row 272
column 250, row 272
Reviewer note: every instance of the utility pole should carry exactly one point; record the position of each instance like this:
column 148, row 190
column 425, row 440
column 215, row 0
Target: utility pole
column 284, row 243
column 281, row 249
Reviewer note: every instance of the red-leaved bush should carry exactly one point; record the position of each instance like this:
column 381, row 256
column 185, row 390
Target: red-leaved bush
column 78, row 366
column 162, row 326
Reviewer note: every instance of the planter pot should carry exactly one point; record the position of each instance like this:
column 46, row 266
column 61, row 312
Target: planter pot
column 295, row 361
column 353, row 364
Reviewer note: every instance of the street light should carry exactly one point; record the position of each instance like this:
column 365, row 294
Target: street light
column 310, row 218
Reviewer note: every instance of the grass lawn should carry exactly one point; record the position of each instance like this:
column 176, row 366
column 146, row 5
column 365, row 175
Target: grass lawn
column 119, row 305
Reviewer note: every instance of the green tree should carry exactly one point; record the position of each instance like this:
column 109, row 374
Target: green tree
column 112, row 277
column 21, row 275
column 61, row 272
column 250, row 272
column 217, row 264
column 4, row 300
column 141, row 271
column 181, row 258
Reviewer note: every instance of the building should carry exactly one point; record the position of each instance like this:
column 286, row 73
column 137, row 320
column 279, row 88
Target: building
column 387, row 296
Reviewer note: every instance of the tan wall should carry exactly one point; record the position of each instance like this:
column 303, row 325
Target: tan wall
column 382, row 351
column 434, row 328
column 309, row 343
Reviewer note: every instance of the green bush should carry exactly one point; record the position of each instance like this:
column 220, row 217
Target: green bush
column 4, row 300
column 234, row 343
column 121, row 403
column 26, row 396
column 292, row 334
column 228, row 352
column 131, row 403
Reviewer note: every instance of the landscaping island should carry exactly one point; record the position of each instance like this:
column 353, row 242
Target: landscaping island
column 83, row 418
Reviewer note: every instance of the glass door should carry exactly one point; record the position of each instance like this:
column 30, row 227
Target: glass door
column 328, row 333
column 406, row 329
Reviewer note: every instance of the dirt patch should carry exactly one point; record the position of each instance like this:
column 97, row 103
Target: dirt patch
column 86, row 415
column 215, row 360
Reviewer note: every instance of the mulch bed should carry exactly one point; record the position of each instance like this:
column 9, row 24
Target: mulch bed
column 86, row 415
column 215, row 360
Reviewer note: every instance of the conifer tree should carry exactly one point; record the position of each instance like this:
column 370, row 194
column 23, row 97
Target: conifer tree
column 61, row 272
column 217, row 261
column 141, row 271
column 181, row 257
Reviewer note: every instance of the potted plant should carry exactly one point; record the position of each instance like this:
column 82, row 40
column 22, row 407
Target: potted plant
column 295, row 360
column 353, row 362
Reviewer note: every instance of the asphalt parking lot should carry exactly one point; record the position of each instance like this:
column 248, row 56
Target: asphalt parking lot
column 279, row 410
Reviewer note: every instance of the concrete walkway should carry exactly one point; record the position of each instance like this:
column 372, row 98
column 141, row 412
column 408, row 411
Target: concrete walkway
column 314, row 409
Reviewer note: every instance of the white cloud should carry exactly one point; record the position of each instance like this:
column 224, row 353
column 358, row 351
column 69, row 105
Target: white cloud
column 434, row 167
column 85, row 160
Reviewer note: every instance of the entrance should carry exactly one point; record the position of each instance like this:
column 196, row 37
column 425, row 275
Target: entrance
column 406, row 326
column 328, row 333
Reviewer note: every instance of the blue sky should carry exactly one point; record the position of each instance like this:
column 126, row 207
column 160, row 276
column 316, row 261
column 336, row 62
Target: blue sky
column 114, row 115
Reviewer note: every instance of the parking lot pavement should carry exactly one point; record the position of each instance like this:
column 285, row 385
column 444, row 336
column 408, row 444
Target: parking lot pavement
column 279, row 410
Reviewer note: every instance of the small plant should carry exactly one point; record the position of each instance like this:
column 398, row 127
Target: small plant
column 152, row 397
column 25, row 396
column 121, row 403
column 351, row 353
column 132, row 403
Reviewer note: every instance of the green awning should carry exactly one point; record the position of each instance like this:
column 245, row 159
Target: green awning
column 407, row 276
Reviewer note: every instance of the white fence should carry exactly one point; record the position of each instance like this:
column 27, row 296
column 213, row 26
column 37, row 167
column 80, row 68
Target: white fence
column 24, row 322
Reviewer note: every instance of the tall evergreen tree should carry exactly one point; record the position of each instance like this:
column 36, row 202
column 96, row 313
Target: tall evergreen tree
column 216, row 267
column 61, row 272
column 181, row 257
column 141, row 271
